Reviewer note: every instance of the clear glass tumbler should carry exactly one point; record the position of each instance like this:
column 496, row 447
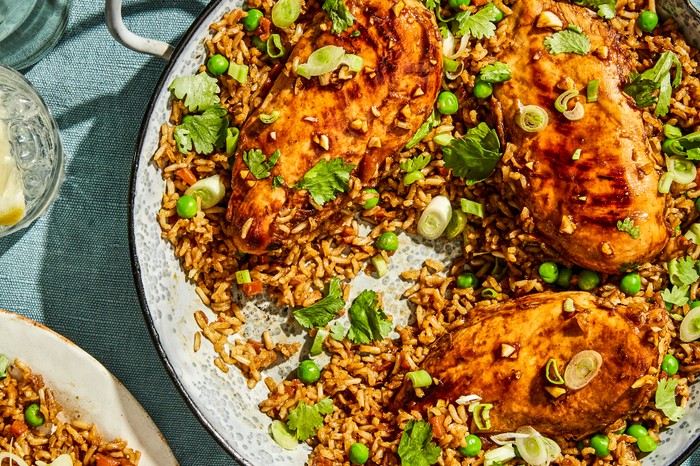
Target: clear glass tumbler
column 31, row 153
column 29, row 29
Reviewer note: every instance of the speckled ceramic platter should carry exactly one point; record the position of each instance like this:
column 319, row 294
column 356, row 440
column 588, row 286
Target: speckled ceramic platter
column 223, row 402
column 83, row 386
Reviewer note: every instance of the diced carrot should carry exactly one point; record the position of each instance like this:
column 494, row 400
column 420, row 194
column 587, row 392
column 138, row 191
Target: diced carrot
column 438, row 425
column 104, row 460
column 264, row 29
column 18, row 428
column 186, row 175
column 252, row 288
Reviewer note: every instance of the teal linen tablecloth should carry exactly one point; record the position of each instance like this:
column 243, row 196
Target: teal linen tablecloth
column 71, row 270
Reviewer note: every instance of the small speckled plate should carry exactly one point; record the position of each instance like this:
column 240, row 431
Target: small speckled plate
column 85, row 389
column 223, row 403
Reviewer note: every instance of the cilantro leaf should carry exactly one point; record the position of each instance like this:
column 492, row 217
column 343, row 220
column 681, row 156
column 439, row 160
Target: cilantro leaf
column 665, row 399
column 325, row 310
column 277, row 181
column 339, row 14
column 495, row 73
column 306, row 420
column 682, row 272
column 203, row 131
column 199, row 91
column 325, row 179
column 338, row 331
column 678, row 295
column 606, row 8
column 475, row 155
column 368, row 322
column 4, row 363
column 432, row 121
column 627, row 226
column 415, row 447
column 480, row 24
column 258, row 164
column 641, row 86
column 568, row 41
column 415, row 163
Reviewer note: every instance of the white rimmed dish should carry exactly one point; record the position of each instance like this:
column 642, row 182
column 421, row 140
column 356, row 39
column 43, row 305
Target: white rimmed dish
column 84, row 387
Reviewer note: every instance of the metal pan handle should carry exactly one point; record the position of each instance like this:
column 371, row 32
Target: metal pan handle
column 115, row 23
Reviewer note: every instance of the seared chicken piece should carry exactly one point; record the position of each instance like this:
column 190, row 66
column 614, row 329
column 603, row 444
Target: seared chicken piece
column 501, row 355
column 576, row 204
column 361, row 120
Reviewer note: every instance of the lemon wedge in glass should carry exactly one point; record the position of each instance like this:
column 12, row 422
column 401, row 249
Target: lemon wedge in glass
column 12, row 203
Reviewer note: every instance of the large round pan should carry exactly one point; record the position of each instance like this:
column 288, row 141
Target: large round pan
column 222, row 401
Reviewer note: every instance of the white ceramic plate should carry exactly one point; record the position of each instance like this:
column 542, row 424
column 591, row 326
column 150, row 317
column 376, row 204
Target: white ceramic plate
column 83, row 386
column 222, row 401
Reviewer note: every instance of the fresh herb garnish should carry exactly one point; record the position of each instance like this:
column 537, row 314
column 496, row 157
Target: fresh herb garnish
column 665, row 399
column 368, row 322
column 340, row 15
column 258, row 164
column 415, row 163
column 568, row 41
column 678, row 295
column 305, row 420
column 688, row 145
column 480, row 24
column 641, row 87
column 496, row 73
column 627, row 226
column 415, row 447
column 325, row 310
column 475, row 155
column 432, row 121
column 199, row 92
column 203, row 131
column 277, row 181
column 338, row 331
column 4, row 364
column 682, row 271
column 325, row 179
column 270, row 118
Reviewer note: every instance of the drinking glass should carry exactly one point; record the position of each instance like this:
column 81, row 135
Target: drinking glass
column 29, row 29
column 28, row 136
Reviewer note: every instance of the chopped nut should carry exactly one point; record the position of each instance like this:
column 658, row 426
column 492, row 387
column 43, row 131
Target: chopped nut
column 406, row 111
column 310, row 119
column 648, row 168
column 418, row 92
column 344, row 73
column 324, row 142
column 374, row 142
column 583, row 198
column 567, row 225
column 250, row 183
column 606, row 248
column 273, row 135
column 556, row 392
column 359, row 125
column 244, row 174
column 547, row 19
column 530, row 165
column 602, row 52
column 508, row 351
column 375, row 111
column 398, row 6
column 402, row 124
column 569, row 305
column 324, row 79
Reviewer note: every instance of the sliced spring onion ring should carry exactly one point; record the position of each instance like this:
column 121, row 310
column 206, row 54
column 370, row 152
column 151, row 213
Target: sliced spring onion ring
column 317, row 345
column 500, row 455
column 569, row 305
column 270, row 118
column 435, row 217
column 467, row 399
column 243, row 277
column 321, row 61
column 232, row 135
column 285, row 12
column 452, row 75
column 471, row 207
column 62, row 460
column 443, row 139
column 353, row 62
column 489, row 293
column 552, row 447
column 551, row 371
column 532, row 448
column 506, row 437
column 576, row 155
column 582, row 368
column 532, row 118
column 592, row 91
column 282, row 435
column 672, row 132
column 693, row 233
column 665, row 183
column 690, row 326
column 449, row 65
column 682, row 169
column 210, row 190
column 575, row 113
column 275, row 49
column 238, row 72
column 380, row 264
column 420, row 378
column 13, row 458
column 482, row 415
column 562, row 102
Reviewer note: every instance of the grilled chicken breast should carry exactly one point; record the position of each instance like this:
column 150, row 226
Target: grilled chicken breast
column 471, row 360
column 361, row 120
column 576, row 204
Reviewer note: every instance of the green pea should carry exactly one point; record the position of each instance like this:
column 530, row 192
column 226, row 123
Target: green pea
column 187, row 206
column 388, row 241
column 472, row 447
column 697, row 204
column 646, row 444
column 33, row 416
column 457, row 223
column 588, row 279
column 482, row 89
column 410, row 178
column 358, row 453
column 647, row 20
column 564, row 279
column 631, row 284
column 467, row 280
column 252, row 21
column 372, row 196
column 600, row 444
column 217, row 64
column 499, row 16
column 670, row 364
column 447, row 103
column 308, row 371
column 636, row 430
column 457, row 4
column 259, row 44
column 549, row 272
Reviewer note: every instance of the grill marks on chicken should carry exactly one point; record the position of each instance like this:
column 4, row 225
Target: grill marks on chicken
column 576, row 204
column 354, row 119
column 631, row 340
